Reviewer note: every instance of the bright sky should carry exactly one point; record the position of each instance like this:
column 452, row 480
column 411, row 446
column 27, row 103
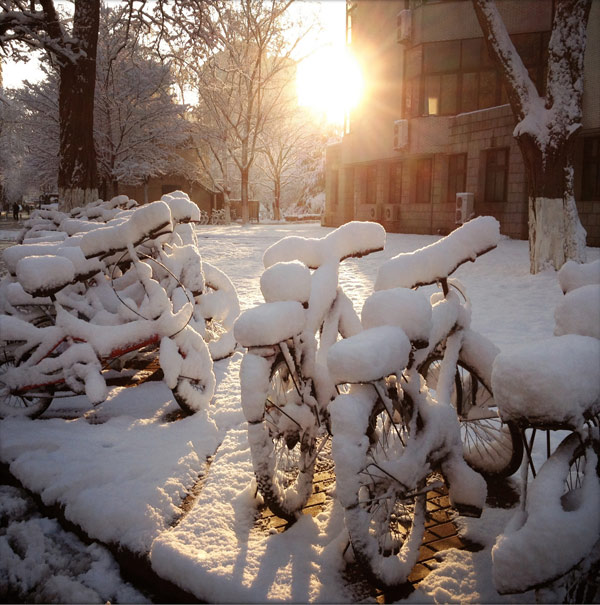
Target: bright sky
column 328, row 80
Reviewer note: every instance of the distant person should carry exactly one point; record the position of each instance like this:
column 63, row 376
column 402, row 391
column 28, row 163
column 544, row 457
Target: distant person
column 15, row 211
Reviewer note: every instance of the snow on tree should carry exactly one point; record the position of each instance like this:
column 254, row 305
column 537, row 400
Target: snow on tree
column 547, row 126
column 34, row 25
column 241, row 75
column 139, row 125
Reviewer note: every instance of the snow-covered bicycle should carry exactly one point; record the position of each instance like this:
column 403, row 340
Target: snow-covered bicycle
column 285, row 385
column 552, row 543
column 417, row 374
column 97, row 319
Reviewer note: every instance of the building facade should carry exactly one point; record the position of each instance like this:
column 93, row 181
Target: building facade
column 436, row 122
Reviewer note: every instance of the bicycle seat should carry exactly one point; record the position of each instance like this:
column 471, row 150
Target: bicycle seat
column 551, row 384
column 369, row 355
column 439, row 260
column 45, row 275
column 354, row 239
column 269, row 323
column 286, row 281
column 573, row 275
column 401, row 307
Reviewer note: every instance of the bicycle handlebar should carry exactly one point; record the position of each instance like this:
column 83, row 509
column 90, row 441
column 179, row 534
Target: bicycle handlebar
column 354, row 239
column 439, row 260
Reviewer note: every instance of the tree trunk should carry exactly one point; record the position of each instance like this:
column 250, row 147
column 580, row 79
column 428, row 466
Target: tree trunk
column 555, row 231
column 227, row 206
column 77, row 181
column 244, row 173
column 276, row 207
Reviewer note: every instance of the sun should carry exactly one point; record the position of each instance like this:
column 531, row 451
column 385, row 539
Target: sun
column 330, row 82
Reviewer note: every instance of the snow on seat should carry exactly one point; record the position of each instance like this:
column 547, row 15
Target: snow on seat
column 117, row 234
column 579, row 312
column 353, row 239
column 269, row 324
column 369, row 355
column 44, row 275
column 400, row 307
column 439, row 260
column 573, row 275
column 286, row 281
column 12, row 255
column 552, row 383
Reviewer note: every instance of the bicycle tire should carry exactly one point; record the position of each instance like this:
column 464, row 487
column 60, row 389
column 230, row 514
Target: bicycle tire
column 12, row 405
column 386, row 522
column 581, row 584
column 283, row 453
column 490, row 446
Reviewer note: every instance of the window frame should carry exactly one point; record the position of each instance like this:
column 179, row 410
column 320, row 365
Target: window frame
column 492, row 171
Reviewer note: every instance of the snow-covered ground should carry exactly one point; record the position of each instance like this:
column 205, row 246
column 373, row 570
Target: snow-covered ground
column 122, row 469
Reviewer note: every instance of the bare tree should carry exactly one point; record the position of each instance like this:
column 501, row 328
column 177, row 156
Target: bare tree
column 139, row 125
column 547, row 125
column 38, row 25
column 241, row 80
column 288, row 142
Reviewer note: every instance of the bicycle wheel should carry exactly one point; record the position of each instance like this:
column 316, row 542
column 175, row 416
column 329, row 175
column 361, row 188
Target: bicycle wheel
column 283, row 445
column 581, row 583
column 490, row 446
column 30, row 405
column 386, row 522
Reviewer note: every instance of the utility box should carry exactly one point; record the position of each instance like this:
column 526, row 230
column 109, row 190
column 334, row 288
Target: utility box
column 464, row 207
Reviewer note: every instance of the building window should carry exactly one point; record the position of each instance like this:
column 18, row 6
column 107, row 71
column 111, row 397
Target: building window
column 590, row 186
column 496, row 173
column 457, row 175
column 371, row 185
column 395, row 196
column 458, row 76
column 423, row 189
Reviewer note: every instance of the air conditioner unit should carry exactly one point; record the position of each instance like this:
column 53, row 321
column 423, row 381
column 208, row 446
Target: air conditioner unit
column 464, row 207
column 367, row 212
column 403, row 26
column 400, row 134
column 391, row 212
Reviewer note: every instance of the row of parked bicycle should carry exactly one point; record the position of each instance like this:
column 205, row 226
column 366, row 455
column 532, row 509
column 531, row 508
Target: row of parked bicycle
column 403, row 392
column 89, row 291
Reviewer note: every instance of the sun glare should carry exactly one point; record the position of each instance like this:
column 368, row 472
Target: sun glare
column 330, row 82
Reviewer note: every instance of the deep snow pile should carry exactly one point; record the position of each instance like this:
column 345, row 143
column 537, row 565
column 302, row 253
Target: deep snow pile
column 122, row 469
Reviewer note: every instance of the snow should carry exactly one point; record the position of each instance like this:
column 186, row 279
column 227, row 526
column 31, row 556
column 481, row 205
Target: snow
column 369, row 355
column 122, row 469
column 553, row 381
column 440, row 259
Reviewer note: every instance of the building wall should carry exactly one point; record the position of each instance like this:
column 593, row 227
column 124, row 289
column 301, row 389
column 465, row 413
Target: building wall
column 368, row 142
column 157, row 187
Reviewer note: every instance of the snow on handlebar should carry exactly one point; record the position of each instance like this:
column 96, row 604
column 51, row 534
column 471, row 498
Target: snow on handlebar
column 143, row 222
column 353, row 239
column 439, row 260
